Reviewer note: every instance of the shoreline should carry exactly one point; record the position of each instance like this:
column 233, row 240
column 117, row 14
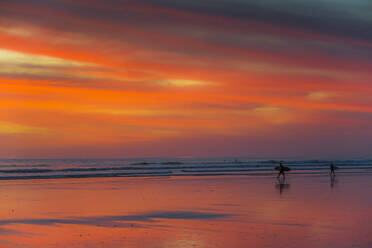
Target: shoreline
column 204, row 212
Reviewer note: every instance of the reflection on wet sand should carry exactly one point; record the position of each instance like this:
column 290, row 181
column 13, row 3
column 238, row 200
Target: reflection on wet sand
column 213, row 212
column 282, row 184
column 333, row 179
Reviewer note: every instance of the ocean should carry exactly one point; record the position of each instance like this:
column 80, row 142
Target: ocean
column 12, row 169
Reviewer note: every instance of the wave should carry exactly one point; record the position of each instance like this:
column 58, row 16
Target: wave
column 70, row 168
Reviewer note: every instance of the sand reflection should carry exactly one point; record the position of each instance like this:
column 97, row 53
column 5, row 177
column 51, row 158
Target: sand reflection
column 178, row 212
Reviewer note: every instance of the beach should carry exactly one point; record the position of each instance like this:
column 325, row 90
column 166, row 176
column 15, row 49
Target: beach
column 235, row 211
column 185, row 124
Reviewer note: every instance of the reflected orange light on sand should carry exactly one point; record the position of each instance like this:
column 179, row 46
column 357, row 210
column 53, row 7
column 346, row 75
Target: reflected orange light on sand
column 182, row 212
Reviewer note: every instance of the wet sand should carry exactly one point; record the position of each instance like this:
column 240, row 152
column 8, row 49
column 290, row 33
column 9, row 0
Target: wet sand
column 182, row 212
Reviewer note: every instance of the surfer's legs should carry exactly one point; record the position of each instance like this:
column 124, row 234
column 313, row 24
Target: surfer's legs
column 333, row 179
column 281, row 173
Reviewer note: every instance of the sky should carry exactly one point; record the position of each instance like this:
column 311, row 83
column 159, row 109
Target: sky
column 181, row 78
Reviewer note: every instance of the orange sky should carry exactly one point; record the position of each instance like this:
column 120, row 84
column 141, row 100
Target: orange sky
column 161, row 78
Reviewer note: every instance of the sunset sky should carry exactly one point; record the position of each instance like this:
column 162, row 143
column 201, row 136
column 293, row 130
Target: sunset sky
column 120, row 78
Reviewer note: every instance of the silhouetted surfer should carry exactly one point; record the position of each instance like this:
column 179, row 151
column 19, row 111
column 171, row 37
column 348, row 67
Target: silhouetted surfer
column 281, row 169
column 332, row 168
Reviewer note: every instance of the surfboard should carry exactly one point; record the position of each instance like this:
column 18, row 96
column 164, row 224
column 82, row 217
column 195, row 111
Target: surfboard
column 285, row 168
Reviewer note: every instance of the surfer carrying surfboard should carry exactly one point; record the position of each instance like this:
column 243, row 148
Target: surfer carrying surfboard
column 281, row 170
column 332, row 168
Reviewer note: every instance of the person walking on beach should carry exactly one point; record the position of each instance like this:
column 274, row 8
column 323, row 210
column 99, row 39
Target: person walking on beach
column 332, row 168
column 281, row 170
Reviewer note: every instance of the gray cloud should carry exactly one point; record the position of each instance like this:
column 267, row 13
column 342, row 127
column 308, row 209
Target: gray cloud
column 339, row 18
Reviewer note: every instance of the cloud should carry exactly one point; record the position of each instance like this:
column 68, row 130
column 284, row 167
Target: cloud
column 348, row 18
column 18, row 58
column 21, row 65
column 319, row 95
column 16, row 31
column 13, row 128
column 184, row 82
